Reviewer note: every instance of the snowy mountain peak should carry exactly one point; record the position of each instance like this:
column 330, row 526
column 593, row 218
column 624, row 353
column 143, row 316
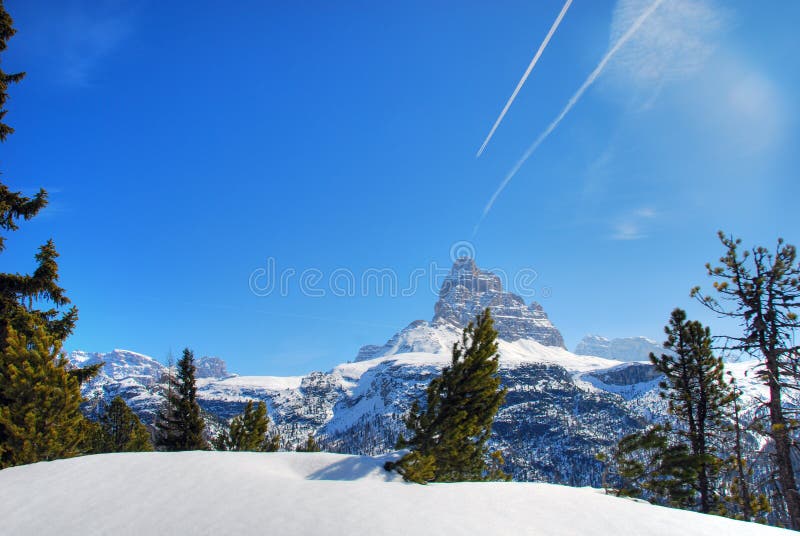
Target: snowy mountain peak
column 468, row 290
column 211, row 367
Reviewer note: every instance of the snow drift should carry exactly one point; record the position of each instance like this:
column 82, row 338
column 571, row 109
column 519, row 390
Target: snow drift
column 196, row 493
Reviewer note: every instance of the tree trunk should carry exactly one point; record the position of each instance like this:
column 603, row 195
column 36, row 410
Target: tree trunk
column 780, row 435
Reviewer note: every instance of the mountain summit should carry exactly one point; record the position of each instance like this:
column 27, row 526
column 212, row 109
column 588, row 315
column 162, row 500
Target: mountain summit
column 466, row 291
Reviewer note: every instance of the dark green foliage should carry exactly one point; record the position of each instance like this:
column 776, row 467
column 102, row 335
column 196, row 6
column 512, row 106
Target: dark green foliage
column 311, row 445
column 761, row 289
column 649, row 465
column 40, row 418
column 36, row 408
column 119, row 430
column 17, row 291
column 180, row 425
column 450, row 434
column 86, row 373
column 698, row 397
column 248, row 432
column 7, row 31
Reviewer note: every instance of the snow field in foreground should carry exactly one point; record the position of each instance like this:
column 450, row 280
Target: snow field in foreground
column 197, row 493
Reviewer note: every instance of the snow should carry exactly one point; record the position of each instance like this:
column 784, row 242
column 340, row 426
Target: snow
column 267, row 383
column 198, row 493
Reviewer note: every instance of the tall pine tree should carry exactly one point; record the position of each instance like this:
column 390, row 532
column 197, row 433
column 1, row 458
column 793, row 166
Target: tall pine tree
column 32, row 327
column 18, row 293
column 760, row 288
column 180, row 425
column 450, row 434
column 698, row 396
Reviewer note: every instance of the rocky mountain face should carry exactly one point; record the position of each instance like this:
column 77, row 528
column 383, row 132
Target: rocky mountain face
column 624, row 349
column 561, row 408
column 465, row 292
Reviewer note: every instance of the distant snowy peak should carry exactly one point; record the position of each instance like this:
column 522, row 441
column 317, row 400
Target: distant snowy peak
column 124, row 364
column 468, row 290
column 212, row 367
column 622, row 349
column 120, row 364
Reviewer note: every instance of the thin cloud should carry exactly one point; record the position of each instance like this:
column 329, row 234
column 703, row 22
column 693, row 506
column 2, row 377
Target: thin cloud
column 676, row 42
column 632, row 226
column 627, row 231
column 525, row 75
column 572, row 101
column 76, row 37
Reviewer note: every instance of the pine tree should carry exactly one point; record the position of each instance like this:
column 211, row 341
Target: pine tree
column 310, row 445
column 120, row 430
column 649, row 465
column 450, row 434
column 22, row 313
column 180, row 425
column 763, row 290
column 698, row 396
column 40, row 419
column 19, row 292
column 741, row 501
column 248, row 431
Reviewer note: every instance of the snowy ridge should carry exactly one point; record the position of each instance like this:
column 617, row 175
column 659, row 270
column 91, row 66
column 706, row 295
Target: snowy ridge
column 561, row 409
column 624, row 349
column 311, row 493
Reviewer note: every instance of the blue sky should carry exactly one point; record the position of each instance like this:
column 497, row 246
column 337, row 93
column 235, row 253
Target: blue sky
column 185, row 144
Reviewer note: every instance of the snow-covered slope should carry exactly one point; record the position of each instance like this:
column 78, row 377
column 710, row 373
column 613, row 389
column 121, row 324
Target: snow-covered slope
column 211, row 493
column 561, row 409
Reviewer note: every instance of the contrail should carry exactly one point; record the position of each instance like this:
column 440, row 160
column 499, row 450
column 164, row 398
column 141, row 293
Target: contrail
column 572, row 101
column 525, row 76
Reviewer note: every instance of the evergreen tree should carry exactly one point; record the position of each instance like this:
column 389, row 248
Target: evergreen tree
column 40, row 418
column 741, row 501
column 180, row 425
column 762, row 288
column 311, row 445
column 120, row 430
column 248, row 432
column 650, row 466
column 19, row 292
column 31, row 310
column 698, row 396
column 450, row 434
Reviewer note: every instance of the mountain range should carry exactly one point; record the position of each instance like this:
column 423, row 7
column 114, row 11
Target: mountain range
column 562, row 408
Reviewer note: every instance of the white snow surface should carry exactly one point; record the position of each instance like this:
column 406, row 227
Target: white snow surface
column 199, row 493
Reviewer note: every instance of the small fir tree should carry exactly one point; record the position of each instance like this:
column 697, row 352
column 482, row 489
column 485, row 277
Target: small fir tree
column 449, row 441
column 249, row 431
column 120, row 430
column 649, row 465
column 310, row 445
column 180, row 425
column 741, row 500
column 40, row 419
